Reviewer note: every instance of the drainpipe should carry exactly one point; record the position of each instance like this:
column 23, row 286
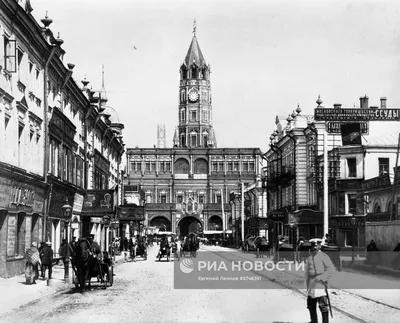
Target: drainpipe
column 46, row 140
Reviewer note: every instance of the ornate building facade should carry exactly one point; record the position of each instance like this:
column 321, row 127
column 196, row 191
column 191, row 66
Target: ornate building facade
column 60, row 146
column 186, row 188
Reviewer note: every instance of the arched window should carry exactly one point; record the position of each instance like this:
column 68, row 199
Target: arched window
column 183, row 140
column 193, row 139
column 181, row 166
column 205, row 138
column 200, row 166
column 194, row 72
column 377, row 208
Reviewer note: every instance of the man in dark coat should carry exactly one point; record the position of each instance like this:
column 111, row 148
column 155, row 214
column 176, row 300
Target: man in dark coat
column 46, row 257
column 94, row 246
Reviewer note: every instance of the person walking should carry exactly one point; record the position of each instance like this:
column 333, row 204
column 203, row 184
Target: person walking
column 46, row 256
column 319, row 268
column 32, row 264
column 373, row 256
column 65, row 251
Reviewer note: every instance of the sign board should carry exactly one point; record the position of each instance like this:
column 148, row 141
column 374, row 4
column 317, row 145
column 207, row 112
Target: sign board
column 74, row 225
column 327, row 114
column 78, row 203
column 335, row 127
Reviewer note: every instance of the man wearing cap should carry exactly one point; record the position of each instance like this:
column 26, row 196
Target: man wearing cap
column 319, row 268
column 94, row 246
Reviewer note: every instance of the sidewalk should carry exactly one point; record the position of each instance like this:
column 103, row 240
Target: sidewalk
column 14, row 293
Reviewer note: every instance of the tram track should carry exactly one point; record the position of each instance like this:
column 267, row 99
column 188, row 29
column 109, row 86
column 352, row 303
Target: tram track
column 300, row 292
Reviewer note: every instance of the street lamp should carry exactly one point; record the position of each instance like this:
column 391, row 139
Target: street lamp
column 66, row 210
column 353, row 224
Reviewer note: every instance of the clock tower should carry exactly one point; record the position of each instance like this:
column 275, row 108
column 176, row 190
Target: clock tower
column 195, row 112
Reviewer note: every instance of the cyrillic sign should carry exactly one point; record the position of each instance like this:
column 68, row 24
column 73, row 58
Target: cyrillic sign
column 335, row 127
column 356, row 114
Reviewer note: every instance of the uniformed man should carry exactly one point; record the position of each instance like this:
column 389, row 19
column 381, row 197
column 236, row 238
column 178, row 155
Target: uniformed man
column 319, row 268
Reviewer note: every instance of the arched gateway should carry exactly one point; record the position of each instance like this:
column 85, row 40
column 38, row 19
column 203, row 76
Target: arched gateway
column 189, row 224
column 160, row 222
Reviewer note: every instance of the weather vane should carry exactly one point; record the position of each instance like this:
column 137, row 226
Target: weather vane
column 194, row 27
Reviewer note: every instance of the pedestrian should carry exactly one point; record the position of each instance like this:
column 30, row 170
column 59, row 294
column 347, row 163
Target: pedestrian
column 46, row 256
column 65, row 251
column 373, row 256
column 319, row 268
column 94, row 246
column 32, row 264
column 396, row 259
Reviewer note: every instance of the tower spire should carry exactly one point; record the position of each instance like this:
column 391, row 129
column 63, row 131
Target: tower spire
column 194, row 27
column 103, row 95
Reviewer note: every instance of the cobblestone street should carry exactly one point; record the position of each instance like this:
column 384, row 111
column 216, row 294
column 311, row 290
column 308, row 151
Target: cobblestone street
column 143, row 291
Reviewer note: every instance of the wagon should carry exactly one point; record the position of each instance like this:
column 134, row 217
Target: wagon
column 101, row 269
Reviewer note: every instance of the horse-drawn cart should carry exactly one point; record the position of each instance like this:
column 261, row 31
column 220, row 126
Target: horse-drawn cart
column 190, row 246
column 86, row 266
column 141, row 251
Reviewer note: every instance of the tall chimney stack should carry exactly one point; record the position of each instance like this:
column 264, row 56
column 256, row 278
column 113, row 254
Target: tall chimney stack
column 383, row 103
column 364, row 102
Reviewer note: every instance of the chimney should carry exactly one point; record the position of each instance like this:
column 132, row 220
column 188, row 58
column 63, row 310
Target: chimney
column 383, row 103
column 364, row 102
column 337, row 105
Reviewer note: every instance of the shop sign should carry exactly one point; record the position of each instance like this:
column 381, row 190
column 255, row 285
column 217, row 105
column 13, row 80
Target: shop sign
column 131, row 213
column 278, row 216
column 327, row 114
column 58, row 199
column 98, row 201
column 336, row 126
column 74, row 225
column 78, row 203
column 95, row 220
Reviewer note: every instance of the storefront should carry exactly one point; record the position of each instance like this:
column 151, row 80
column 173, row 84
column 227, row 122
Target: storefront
column 97, row 213
column 22, row 200
column 305, row 223
column 347, row 230
column 57, row 226
column 131, row 221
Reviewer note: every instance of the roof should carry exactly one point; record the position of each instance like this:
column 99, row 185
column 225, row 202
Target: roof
column 386, row 140
column 194, row 54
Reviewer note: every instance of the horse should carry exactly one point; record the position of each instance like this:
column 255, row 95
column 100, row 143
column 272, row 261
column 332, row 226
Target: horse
column 191, row 244
column 83, row 260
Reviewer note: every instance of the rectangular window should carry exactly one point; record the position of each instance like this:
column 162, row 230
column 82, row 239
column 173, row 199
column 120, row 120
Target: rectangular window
column 201, row 199
column 167, row 167
column 214, row 166
column 138, row 167
column 235, row 166
column 162, row 167
column 230, row 167
column 193, row 115
column 147, row 166
column 245, row 167
column 163, row 198
column 383, row 166
column 218, row 198
column 220, row 166
column 352, row 167
column 251, row 165
column 153, row 167
column 179, row 199
column 352, row 203
column 10, row 55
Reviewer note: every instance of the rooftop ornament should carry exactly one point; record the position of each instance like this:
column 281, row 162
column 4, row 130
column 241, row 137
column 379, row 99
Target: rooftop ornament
column 298, row 110
column 46, row 21
column 319, row 101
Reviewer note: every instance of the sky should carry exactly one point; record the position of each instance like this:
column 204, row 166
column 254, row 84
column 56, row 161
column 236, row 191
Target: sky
column 266, row 58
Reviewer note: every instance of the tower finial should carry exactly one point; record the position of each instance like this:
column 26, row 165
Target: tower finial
column 102, row 77
column 194, row 28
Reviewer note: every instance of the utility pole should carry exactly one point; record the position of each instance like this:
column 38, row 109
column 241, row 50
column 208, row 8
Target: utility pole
column 242, row 210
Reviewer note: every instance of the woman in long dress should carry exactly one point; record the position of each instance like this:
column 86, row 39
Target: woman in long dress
column 32, row 264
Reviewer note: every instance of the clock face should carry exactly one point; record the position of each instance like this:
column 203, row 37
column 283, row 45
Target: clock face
column 193, row 96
